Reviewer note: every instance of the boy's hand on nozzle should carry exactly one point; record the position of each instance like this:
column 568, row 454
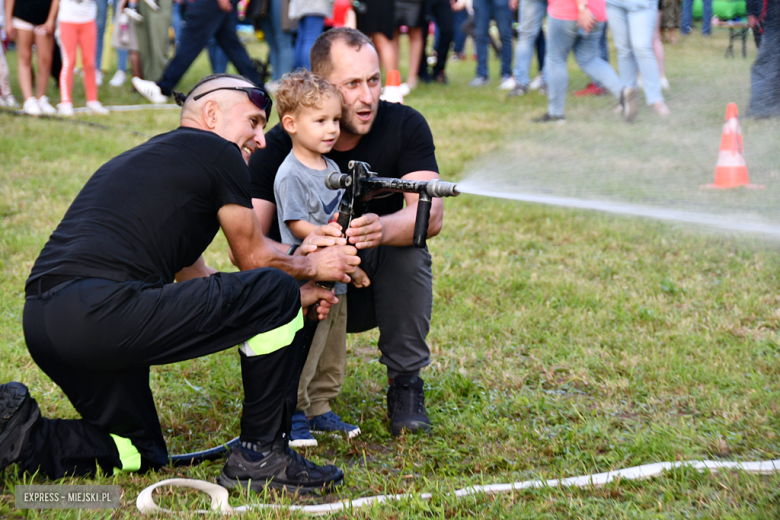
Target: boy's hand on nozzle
column 313, row 294
column 324, row 236
column 360, row 279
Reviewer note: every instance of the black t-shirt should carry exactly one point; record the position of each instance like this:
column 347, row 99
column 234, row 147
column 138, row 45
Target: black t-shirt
column 31, row 11
column 149, row 212
column 400, row 142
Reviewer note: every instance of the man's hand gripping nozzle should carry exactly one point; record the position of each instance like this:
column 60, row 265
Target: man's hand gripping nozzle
column 361, row 185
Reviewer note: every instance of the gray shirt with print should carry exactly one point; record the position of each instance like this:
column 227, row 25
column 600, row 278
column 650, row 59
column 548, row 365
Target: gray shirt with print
column 301, row 194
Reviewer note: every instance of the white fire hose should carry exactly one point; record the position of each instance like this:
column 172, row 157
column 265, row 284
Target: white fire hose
column 219, row 495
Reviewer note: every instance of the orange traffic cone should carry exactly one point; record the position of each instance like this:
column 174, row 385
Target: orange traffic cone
column 392, row 91
column 731, row 170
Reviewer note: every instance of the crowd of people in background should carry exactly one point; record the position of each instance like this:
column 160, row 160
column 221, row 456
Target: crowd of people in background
column 54, row 28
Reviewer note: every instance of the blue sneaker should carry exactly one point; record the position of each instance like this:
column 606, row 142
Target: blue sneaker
column 300, row 436
column 332, row 423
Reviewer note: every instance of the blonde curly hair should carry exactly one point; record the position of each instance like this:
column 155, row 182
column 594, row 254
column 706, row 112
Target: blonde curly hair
column 303, row 88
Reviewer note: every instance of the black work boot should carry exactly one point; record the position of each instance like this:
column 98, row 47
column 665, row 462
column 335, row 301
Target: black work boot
column 18, row 413
column 406, row 405
column 281, row 468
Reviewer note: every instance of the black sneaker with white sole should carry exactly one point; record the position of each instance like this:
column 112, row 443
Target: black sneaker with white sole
column 282, row 469
column 18, row 414
column 406, row 405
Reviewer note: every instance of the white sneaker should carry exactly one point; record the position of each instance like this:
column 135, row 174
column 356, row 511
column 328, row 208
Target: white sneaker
column 133, row 13
column 99, row 78
column 405, row 89
column 536, row 83
column 45, row 106
column 508, row 83
column 97, row 108
column 65, row 109
column 31, row 107
column 153, row 5
column 9, row 101
column 664, row 83
column 119, row 79
column 150, row 90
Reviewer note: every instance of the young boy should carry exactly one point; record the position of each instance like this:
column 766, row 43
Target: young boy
column 309, row 109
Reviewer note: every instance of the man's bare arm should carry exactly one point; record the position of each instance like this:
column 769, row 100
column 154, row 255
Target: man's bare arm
column 265, row 212
column 396, row 229
column 197, row 270
column 250, row 250
column 323, row 236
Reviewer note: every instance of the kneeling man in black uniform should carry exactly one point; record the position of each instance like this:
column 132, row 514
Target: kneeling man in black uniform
column 102, row 305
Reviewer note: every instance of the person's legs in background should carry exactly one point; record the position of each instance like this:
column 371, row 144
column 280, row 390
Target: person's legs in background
column 68, row 42
column 44, row 47
column 765, row 72
column 100, row 20
column 6, row 96
column 587, row 52
column 177, row 19
column 594, row 88
column 706, row 18
column 658, row 50
column 217, row 57
column 531, row 14
column 153, row 40
column 24, row 69
column 687, row 17
column 459, row 37
column 483, row 12
column 617, row 18
column 416, row 43
column 540, row 45
column 641, row 24
column 309, row 28
column 388, row 58
column 279, row 43
column 121, row 57
column 445, row 25
column 561, row 36
column 503, row 17
column 88, row 43
column 226, row 36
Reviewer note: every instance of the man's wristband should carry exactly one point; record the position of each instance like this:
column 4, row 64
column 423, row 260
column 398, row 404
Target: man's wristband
column 292, row 249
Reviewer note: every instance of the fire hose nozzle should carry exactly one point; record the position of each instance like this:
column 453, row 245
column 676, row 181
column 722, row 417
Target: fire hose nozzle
column 440, row 188
column 337, row 180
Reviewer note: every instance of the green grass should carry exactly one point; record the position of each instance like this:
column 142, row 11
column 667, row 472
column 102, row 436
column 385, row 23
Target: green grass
column 564, row 342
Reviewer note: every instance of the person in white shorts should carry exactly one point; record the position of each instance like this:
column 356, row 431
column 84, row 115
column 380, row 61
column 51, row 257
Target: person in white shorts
column 33, row 23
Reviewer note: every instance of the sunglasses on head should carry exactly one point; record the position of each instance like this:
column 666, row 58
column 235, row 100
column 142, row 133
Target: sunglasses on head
column 256, row 95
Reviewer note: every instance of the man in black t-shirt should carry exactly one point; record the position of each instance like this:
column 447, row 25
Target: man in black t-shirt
column 102, row 305
column 396, row 141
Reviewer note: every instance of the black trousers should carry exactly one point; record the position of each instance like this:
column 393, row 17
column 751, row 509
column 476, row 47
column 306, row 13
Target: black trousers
column 765, row 72
column 445, row 21
column 399, row 301
column 97, row 338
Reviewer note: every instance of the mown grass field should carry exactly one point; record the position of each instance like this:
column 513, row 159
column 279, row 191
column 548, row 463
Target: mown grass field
column 564, row 342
